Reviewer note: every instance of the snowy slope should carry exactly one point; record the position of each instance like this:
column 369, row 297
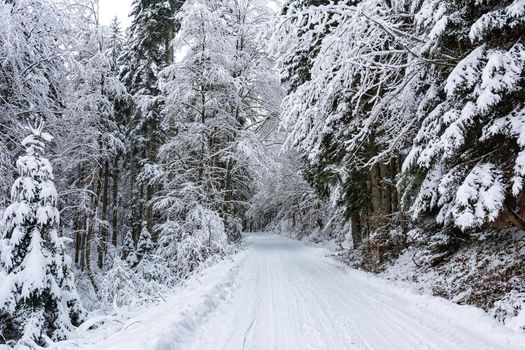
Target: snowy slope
column 280, row 294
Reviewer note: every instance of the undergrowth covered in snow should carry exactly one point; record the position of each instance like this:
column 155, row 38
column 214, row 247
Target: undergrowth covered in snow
column 485, row 270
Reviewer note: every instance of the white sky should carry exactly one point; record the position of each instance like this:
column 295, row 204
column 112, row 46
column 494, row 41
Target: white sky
column 112, row 8
column 122, row 8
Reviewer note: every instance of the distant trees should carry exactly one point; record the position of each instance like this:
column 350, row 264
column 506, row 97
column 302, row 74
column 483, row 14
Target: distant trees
column 215, row 94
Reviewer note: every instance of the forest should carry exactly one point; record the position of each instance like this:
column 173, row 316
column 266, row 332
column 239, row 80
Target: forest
column 132, row 159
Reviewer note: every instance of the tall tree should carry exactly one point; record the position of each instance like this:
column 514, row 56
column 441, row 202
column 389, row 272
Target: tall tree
column 92, row 134
column 147, row 52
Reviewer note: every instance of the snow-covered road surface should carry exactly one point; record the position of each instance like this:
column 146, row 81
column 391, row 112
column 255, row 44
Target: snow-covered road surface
column 280, row 294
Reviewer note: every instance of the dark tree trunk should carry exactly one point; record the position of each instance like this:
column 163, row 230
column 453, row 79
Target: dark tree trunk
column 357, row 238
column 394, row 194
column 91, row 230
column 115, row 204
column 103, row 235
column 78, row 238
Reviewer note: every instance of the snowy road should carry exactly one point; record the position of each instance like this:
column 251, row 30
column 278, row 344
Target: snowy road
column 283, row 295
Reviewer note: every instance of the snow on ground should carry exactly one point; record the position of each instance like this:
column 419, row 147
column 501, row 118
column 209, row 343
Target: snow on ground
column 487, row 273
column 281, row 294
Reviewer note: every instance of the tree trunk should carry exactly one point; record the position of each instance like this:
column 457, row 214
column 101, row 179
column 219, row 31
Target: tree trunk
column 103, row 235
column 228, row 194
column 375, row 178
column 139, row 214
column 387, row 187
column 83, row 242
column 150, row 190
column 399, row 162
column 356, row 231
column 136, row 195
column 90, row 231
column 78, row 238
column 394, row 194
column 115, row 204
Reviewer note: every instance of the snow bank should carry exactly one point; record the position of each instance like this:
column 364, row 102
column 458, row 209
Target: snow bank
column 166, row 325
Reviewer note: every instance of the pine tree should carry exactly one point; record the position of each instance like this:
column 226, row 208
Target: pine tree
column 298, row 64
column 38, row 298
column 145, row 244
column 148, row 50
column 129, row 253
column 466, row 167
column 116, row 43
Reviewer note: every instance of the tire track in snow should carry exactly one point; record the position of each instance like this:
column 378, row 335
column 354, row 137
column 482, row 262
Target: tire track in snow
column 307, row 301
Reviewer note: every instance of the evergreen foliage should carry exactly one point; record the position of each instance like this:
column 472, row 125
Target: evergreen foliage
column 38, row 298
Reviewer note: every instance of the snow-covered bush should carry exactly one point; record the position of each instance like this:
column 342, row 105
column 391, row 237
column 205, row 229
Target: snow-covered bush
column 129, row 287
column 185, row 247
column 129, row 253
column 144, row 244
column 146, row 273
column 510, row 310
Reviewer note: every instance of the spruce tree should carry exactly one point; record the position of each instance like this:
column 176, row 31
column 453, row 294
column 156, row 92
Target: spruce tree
column 147, row 52
column 38, row 298
column 466, row 166
column 145, row 244
column 296, row 67
column 129, row 253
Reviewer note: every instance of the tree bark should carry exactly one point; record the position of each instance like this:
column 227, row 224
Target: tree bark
column 402, row 217
column 83, row 242
column 356, row 231
column 78, row 238
column 150, row 190
column 393, row 175
column 375, row 178
column 228, row 194
column 115, row 204
column 387, row 187
column 103, row 233
column 91, row 230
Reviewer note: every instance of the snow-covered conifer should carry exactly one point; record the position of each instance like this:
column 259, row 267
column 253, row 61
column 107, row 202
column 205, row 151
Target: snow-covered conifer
column 129, row 253
column 470, row 144
column 145, row 244
column 38, row 298
column 148, row 50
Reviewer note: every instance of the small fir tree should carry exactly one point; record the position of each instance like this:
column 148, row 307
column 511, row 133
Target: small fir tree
column 128, row 250
column 145, row 243
column 38, row 297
